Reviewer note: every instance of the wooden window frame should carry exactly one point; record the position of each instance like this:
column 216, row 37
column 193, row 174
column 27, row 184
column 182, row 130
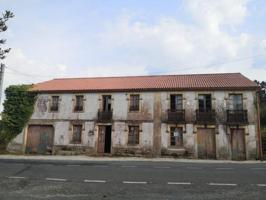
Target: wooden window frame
column 205, row 106
column 170, row 101
column 110, row 103
column 73, row 134
column 51, row 108
column 231, row 103
column 136, row 105
column 136, row 136
column 75, row 103
column 171, row 137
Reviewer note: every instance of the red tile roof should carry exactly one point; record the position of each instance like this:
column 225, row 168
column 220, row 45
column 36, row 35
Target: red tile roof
column 225, row 81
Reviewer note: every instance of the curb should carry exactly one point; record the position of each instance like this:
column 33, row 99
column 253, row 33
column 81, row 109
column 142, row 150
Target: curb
column 21, row 158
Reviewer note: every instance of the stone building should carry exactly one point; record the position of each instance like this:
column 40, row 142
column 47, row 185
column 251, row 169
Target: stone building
column 206, row 116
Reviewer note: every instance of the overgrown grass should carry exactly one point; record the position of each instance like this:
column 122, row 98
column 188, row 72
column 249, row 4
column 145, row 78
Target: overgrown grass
column 263, row 130
column 3, row 149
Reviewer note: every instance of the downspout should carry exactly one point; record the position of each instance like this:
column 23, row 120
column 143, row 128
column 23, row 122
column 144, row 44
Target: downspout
column 258, row 127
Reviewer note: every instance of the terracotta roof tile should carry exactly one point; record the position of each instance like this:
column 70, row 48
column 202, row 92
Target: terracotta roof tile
column 224, row 81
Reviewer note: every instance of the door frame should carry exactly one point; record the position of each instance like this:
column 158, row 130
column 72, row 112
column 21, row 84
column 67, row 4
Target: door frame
column 111, row 142
column 244, row 140
column 26, row 135
column 214, row 140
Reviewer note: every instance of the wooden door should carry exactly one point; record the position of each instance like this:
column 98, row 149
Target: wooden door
column 238, row 144
column 206, row 143
column 40, row 139
column 101, row 139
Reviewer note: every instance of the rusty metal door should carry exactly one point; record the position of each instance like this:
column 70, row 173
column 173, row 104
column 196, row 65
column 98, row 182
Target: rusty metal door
column 238, row 144
column 101, row 139
column 206, row 143
column 40, row 139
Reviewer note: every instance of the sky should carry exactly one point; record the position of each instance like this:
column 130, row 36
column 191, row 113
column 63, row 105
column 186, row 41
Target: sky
column 84, row 38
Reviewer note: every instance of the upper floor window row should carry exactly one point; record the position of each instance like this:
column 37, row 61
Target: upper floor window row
column 176, row 102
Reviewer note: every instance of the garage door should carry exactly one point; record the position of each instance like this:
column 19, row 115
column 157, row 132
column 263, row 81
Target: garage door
column 238, row 144
column 40, row 139
column 206, row 143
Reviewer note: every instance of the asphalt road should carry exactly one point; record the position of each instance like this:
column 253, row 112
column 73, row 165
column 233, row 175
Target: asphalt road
column 25, row 180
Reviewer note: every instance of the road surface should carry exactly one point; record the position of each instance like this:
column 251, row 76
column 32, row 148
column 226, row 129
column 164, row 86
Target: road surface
column 26, row 179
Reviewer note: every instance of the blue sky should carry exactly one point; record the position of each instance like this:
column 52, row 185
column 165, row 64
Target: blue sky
column 79, row 38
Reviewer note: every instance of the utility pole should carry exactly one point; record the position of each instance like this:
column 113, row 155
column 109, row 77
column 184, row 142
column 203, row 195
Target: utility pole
column 2, row 69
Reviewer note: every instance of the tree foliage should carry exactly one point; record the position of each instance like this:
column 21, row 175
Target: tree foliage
column 18, row 108
column 3, row 27
column 3, row 51
column 262, row 94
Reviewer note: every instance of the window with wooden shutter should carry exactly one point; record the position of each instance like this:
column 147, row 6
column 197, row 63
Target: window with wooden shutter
column 77, row 132
column 54, row 104
column 176, row 136
column 79, row 103
column 134, row 102
column 133, row 135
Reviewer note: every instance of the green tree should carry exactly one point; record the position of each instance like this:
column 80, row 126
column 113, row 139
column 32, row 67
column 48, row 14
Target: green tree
column 18, row 108
column 262, row 94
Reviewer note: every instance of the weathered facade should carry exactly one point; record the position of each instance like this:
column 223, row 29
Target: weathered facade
column 197, row 121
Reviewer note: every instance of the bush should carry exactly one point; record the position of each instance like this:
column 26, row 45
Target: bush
column 18, row 108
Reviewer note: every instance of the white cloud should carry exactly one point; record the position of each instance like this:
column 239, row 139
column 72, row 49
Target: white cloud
column 174, row 45
column 210, row 43
column 211, row 14
column 23, row 70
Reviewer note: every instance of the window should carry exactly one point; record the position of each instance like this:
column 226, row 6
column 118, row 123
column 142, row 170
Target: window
column 176, row 136
column 236, row 101
column 134, row 102
column 107, row 103
column 55, row 104
column 79, row 103
column 133, row 135
column 176, row 102
column 205, row 103
column 77, row 131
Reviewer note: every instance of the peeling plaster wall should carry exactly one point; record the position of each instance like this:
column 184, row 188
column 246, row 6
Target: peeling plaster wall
column 251, row 146
column 153, row 111
column 120, row 107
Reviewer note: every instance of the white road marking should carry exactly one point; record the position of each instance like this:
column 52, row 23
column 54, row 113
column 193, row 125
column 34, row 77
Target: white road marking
column 261, row 185
column 17, row 177
column 128, row 166
column 224, row 168
column 194, row 168
column 55, row 179
column 73, row 165
column 162, row 167
column 100, row 166
column 258, row 168
column 179, row 183
column 134, row 182
column 223, row 184
column 94, row 181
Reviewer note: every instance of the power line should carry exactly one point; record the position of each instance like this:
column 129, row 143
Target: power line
column 179, row 69
column 221, row 63
column 26, row 74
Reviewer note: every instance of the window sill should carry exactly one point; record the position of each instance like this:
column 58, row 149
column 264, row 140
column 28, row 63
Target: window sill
column 76, row 144
column 177, row 148
column 133, row 145
column 134, row 111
